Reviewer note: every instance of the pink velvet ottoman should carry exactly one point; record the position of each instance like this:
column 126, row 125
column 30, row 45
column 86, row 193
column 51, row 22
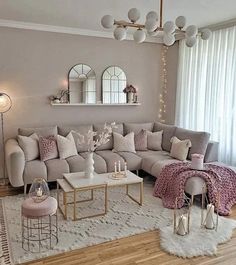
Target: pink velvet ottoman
column 39, row 224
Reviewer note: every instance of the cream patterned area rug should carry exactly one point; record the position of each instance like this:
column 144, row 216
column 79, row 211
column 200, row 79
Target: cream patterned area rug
column 124, row 218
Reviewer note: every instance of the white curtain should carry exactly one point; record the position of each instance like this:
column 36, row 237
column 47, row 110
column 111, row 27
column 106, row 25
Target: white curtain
column 206, row 90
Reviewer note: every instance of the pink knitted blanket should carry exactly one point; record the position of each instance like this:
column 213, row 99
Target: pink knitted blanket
column 170, row 184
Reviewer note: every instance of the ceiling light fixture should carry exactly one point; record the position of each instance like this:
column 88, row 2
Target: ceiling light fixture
column 152, row 28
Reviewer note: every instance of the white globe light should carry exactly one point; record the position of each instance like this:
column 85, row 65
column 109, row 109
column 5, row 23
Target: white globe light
column 191, row 41
column 169, row 27
column 133, row 14
column 191, row 31
column 206, row 34
column 120, row 33
column 168, row 39
column 152, row 15
column 107, row 21
column 180, row 22
column 150, row 25
column 139, row 36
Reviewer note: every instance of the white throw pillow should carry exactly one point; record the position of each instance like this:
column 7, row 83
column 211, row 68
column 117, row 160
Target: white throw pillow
column 179, row 149
column 29, row 145
column 155, row 140
column 66, row 146
column 123, row 143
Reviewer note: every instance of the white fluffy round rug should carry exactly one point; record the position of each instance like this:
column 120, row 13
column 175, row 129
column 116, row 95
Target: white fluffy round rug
column 200, row 241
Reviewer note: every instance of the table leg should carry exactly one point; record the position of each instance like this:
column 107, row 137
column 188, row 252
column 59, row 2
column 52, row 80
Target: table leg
column 127, row 189
column 141, row 193
column 65, row 203
column 74, row 204
column 106, row 200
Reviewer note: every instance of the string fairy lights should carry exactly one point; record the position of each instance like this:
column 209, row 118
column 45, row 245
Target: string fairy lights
column 162, row 96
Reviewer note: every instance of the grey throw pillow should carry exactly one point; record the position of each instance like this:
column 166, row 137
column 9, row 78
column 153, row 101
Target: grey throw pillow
column 30, row 146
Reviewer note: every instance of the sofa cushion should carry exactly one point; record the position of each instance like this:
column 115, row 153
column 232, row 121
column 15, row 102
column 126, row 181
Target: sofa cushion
column 41, row 131
column 180, row 149
column 48, row 148
column 30, row 146
column 199, row 140
column 133, row 161
column 137, row 127
column 66, row 146
column 100, row 127
column 141, row 140
column 154, row 140
column 168, row 133
column 56, row 168
column 110, row 159
column 160, row 164
column 153, row 161
column 123, row 143
column 82, row 129
column 100, row 165
column 76, row 163
column 34, row 169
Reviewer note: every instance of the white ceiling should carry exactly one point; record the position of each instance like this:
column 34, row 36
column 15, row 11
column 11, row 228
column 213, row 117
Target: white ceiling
column 86, row 14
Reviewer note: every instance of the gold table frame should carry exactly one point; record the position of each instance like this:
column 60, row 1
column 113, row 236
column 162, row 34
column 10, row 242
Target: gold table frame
column 68, row 189
column 75, row 202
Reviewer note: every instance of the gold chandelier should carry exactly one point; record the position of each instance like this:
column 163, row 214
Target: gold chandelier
column 154, row 25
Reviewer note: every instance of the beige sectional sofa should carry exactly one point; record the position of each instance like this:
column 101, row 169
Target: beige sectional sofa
column 21, row 173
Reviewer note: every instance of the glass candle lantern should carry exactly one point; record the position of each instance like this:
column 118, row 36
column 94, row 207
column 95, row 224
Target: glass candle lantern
column 39, row 190
column 182, row 213
column 209, row 211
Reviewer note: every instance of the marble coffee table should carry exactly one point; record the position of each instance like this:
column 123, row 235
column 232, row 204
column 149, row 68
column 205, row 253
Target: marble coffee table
column 74, row 183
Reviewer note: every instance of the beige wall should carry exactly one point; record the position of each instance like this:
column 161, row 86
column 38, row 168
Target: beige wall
column 34, row 65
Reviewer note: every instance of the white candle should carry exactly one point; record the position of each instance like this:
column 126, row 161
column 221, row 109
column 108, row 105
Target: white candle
column 115, row 168
column 210, row 215
column 119, row 166
column 39, row 192
column 182, row 225
column 125, row 166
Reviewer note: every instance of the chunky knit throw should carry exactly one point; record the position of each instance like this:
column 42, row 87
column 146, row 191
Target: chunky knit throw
column 171, row 182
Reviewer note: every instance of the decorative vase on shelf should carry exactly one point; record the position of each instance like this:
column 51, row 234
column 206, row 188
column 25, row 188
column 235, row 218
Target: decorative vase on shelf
column 89, row 168
column 130, row 97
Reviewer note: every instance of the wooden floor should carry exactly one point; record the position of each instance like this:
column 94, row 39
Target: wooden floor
column 139, row 249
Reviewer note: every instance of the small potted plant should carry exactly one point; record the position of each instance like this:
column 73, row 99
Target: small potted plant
column 130, row 91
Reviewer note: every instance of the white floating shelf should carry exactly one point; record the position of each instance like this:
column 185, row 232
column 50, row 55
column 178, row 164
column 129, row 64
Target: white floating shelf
column 95, row 104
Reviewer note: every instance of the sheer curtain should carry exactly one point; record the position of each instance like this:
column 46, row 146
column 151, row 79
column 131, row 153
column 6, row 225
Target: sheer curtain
column 206, row 90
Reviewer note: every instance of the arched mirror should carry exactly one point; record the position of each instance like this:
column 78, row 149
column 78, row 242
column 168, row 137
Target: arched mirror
column 113, row 83
column 82, row 84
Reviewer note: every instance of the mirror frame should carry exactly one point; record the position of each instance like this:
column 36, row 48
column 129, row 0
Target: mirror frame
column 68, row 80
column 102, row 85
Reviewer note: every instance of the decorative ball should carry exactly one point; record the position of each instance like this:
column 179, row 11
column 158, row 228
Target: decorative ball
column 139, row 36
column 168, row 39
column 120, row 33
column 180, row 22
column 133, row 14
column 150, row 24
column 191, row 31
column 191, row 41
column 169, row 27
column 206, row 34
column 107, row 21
column 152, row 15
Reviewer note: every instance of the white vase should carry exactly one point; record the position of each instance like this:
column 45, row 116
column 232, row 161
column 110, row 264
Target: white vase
column 89, row 168
column 130, row 97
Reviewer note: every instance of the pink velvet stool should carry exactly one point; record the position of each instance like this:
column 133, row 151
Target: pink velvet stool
column 39, row 224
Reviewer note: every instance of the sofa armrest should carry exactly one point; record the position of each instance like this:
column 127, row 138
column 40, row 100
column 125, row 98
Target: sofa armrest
column 211, row 152
column 15, row 162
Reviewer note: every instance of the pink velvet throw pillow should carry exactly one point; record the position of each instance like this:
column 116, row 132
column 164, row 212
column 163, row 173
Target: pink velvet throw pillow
column 48, row 148
column 140, row 141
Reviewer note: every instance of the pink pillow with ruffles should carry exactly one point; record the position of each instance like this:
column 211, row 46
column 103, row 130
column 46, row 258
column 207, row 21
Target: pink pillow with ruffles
column 48, row 148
